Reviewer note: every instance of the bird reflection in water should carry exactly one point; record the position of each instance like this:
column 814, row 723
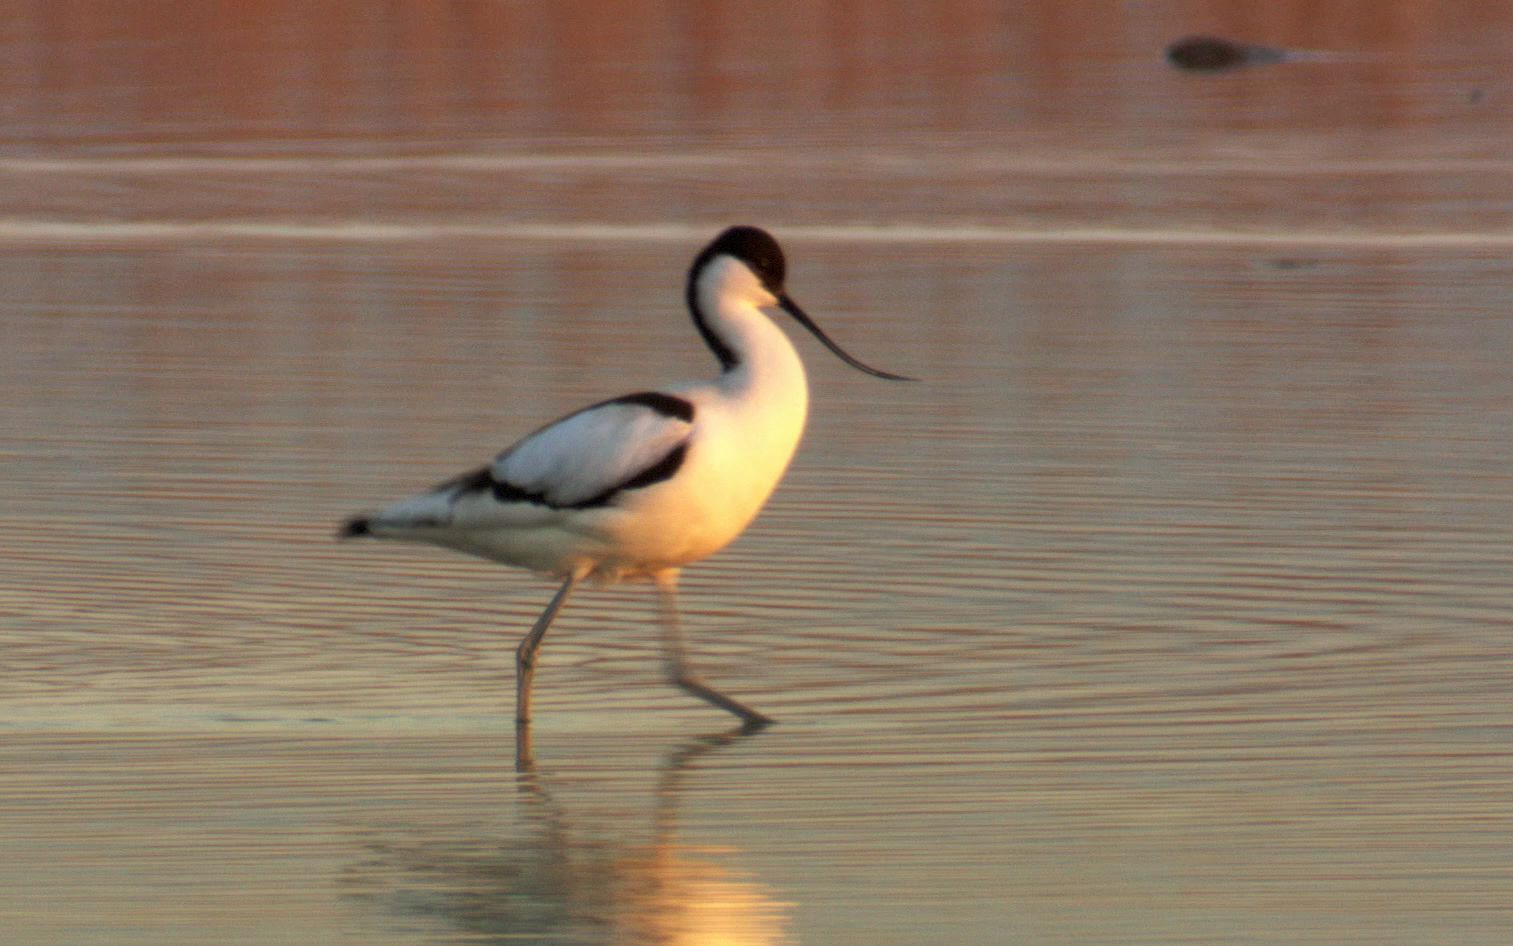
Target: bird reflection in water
column 562, row 884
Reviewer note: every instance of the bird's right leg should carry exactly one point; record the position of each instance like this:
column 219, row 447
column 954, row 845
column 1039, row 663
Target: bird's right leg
column 525, row 654
column 676, row 663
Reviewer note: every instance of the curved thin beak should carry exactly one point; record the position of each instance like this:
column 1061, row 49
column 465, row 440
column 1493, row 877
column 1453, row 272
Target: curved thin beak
column 792, row 308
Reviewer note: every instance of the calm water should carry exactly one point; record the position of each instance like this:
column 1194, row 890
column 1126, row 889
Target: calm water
column 1172, row 607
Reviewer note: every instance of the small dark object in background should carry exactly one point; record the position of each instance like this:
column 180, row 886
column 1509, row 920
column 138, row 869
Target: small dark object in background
column 1292, row 262
column 1209, row 54
column 1476, row 96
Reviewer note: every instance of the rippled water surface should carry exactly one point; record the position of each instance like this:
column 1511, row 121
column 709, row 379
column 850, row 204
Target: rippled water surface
column 1171, row 607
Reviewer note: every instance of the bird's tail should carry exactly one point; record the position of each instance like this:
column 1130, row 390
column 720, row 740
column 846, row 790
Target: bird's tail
column 418, row 513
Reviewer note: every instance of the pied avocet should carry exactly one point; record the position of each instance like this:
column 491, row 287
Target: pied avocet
column 639, row 486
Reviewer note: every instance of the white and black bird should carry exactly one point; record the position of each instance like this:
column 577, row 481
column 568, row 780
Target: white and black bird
column 641, row 485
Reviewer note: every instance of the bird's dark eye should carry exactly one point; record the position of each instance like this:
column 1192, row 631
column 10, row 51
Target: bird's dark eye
column 770, row 268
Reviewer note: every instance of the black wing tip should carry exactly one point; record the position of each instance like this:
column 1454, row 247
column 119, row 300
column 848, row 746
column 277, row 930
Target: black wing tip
column 355, row 528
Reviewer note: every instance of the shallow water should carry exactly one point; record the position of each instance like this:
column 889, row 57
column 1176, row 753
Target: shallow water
column 1171, row 607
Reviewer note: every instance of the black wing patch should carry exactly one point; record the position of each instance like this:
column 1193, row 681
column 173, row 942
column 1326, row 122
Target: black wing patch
column 665, row 404
column 482, row 481
column 664, row 469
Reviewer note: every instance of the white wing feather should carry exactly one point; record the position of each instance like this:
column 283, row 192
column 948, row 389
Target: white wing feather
column 581, row 457
column 591, row 452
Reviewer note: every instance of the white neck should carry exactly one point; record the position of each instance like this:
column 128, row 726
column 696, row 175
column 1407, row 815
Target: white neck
column 730, row 300
column 761, row 399
column 766, row 385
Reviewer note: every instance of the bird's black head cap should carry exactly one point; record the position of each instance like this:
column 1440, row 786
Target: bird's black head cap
column 753, row 246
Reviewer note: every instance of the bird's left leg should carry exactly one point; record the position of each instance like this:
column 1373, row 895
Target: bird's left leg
column 525, row 654
column 676, row 663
